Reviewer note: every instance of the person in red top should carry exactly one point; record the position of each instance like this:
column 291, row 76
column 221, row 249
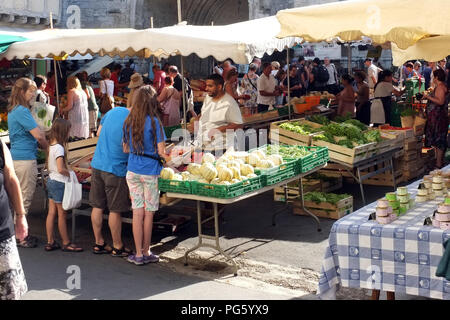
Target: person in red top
column 115, row 77
column 51, row 87
column 158, row 79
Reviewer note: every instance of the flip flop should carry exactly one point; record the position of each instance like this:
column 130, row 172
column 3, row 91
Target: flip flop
column 71, row 248
column 27, row 242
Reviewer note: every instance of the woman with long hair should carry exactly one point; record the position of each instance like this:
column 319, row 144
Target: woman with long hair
column 58, row 175
column 77, row 109
column 144, row 138
column 436, row 127
column 24, row 135
column 92, row 103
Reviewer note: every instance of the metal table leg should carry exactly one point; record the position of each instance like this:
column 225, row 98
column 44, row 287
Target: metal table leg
column 202, row 236
column 361, row 186
column 319, row 228
column 277, row 212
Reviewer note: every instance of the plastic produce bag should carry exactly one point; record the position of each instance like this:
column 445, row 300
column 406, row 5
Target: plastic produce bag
column 43, row 115
column 72, row 193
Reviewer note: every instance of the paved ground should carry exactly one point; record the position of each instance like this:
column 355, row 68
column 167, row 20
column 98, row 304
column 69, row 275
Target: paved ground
column 277, row 262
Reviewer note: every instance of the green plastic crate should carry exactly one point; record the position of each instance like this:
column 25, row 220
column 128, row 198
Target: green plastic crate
column 169, row 130
column 282, row 172
column 283, row 111
column 226, row 192
column 318, row 157
column 175, row 186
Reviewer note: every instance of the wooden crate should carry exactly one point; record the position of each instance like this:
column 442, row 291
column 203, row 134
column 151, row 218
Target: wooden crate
column 335, row 169
column 270, row 115
column 292, row 192
column 326, row 210
column 410, row 144
column 405, row 133
column 78, row 149
column 347, row 155
column 410, row 155
column 390, row 141
column 289, row 137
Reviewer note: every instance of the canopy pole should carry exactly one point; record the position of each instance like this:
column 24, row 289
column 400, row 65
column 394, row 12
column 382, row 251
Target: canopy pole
column 349, row 54
column 151, row 26
column 289, row 84
column 182, row 69
column 55, row 70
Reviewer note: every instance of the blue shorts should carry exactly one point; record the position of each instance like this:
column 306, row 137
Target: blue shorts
column 55, row 190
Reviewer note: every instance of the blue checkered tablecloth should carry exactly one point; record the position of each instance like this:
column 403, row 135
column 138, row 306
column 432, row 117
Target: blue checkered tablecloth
column 401, row 257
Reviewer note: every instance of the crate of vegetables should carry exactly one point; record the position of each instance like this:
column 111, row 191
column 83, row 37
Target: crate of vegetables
column 227, row 190
column 298, row 132
column 169, row 181
column 348, row 142
column 326, row 205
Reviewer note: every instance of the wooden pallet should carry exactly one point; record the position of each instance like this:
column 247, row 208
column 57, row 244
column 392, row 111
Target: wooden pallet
column 326, row 210
column 292, row 137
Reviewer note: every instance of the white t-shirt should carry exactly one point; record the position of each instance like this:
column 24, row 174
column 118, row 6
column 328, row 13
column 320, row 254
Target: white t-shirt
column 109, row 87
column 266, row 84
column 332, row 73
column 372, row 72
column 217, row 114
column 55, row 151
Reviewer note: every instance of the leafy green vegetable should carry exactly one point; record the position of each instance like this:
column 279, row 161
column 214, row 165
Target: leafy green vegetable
column 299, row 128
column 343, row 118
column 357, row 123
column 373, row 136
column 287, row 152
column 319, row 197
column 408, row 112
column 319, row 119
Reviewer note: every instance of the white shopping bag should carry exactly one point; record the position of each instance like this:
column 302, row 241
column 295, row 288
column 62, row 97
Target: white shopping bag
column 43, row 115
column 72, row 193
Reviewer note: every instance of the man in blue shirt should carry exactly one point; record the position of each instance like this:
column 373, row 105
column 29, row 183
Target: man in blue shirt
column 109, row 189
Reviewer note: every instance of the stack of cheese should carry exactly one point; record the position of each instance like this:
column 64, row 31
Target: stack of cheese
column 393, row 203
column 428, row 183
column 385, row 213
column 438, row 185
column 441, row 218
column 423, row 194
column 401, row 201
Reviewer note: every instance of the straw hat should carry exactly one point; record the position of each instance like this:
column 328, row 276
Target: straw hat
column 136, row 81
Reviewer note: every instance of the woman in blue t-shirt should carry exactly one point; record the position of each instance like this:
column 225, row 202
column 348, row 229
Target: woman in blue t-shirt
column 24, row 135
column 144, row 141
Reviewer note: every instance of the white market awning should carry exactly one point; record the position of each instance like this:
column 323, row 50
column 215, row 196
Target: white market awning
column 240, row 41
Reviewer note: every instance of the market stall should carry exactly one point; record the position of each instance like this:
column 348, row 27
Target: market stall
column 351, row 144
column 399, row 253
column 237, row 176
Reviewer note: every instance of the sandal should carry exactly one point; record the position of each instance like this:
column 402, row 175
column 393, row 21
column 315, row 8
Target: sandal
column 27, row 242
column 52, row 246
column 123, row 252
column 71, row 248
column 101, row 249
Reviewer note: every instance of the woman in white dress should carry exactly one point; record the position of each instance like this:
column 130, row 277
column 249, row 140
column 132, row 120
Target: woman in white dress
column 77, row 108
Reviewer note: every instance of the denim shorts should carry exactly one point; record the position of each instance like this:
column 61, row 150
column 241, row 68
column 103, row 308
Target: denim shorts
column 55, row 190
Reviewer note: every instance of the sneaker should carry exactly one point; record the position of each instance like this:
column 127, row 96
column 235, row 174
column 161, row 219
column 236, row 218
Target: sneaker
column 139, row 261
column 151, row 258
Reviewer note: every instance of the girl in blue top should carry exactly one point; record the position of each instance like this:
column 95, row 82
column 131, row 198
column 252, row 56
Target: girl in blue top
column 144, row 141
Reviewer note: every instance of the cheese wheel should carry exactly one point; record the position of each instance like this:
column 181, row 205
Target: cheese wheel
column 401, row 191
